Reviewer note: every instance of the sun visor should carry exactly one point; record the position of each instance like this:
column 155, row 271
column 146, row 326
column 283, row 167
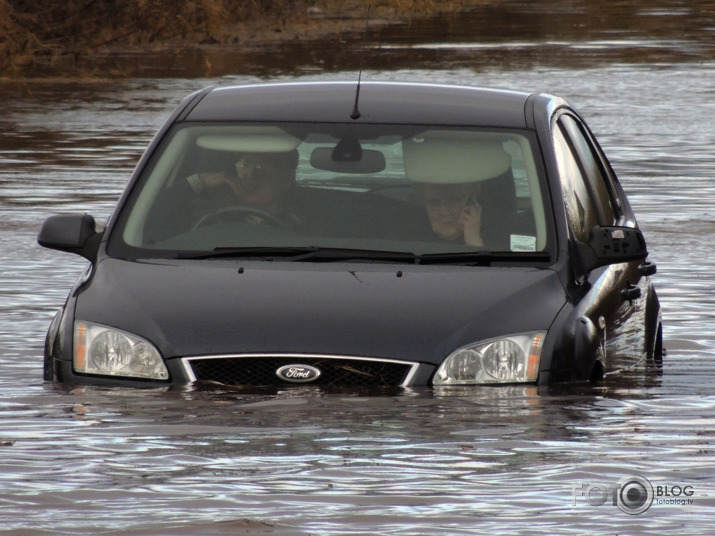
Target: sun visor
column 250, row 140
column 452, row 157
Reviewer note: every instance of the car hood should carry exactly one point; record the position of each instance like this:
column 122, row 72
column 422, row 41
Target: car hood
column 417, row 313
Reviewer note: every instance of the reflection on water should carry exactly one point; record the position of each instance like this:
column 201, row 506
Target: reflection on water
column 414, row 462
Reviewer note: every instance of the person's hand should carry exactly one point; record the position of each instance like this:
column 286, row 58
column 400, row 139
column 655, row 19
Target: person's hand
column 471, row 222
column 213, row 180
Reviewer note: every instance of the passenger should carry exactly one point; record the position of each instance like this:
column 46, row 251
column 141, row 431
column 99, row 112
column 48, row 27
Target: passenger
column 454, row 213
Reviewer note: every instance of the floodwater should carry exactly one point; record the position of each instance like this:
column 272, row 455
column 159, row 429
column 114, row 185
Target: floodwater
column 498, row 460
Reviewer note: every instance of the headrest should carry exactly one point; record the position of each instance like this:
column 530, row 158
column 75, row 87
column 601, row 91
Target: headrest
column 251, row 139
column 452, row 157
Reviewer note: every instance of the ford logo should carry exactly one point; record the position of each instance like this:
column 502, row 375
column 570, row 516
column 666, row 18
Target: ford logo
column 298, row 373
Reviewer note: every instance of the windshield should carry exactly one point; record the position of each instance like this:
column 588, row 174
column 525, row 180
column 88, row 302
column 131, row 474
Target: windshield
column 217, row 188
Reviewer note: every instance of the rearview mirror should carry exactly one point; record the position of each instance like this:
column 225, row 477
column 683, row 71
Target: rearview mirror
column 369, row 161
column 74, row 233
column 612, row 245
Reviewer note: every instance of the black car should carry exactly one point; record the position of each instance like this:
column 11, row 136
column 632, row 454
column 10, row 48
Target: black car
column 388, row 234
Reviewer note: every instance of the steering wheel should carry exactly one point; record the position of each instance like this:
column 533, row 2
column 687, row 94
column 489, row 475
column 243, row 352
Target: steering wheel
column 240, row 212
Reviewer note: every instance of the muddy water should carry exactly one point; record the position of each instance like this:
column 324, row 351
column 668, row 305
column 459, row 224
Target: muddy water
column 498, row 460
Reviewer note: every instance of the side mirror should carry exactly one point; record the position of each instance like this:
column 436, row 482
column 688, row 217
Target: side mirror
column 611, row 245
column 74, row 233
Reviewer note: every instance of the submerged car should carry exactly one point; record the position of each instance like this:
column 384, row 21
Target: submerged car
column 387, row 234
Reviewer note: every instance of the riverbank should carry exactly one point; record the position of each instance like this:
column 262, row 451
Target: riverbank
column 59, row 40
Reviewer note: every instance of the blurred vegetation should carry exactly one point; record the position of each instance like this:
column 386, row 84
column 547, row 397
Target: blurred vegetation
column 33, row 31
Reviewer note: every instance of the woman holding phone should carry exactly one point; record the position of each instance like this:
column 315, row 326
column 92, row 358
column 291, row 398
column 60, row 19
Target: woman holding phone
column 454, row 212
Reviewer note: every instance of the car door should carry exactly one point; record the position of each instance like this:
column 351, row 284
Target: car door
column 611, row 295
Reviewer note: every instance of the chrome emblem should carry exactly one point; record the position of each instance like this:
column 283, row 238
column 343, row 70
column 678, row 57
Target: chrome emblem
column 298, row 373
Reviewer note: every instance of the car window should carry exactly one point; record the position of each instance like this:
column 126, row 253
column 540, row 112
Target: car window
column 402, row 188
column 593, row 169
column 580, row 209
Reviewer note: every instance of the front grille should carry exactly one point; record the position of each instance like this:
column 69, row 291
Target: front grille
column 334, row 371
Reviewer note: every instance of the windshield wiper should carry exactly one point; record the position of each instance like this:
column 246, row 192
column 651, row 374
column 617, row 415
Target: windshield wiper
column 348, row 254
column 300, row 253
column 242, row 252
column 482, row 258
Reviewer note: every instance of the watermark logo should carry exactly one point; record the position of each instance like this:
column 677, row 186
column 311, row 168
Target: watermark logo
column 632, row 494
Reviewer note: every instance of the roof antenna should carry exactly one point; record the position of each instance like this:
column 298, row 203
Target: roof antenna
column 356, row 113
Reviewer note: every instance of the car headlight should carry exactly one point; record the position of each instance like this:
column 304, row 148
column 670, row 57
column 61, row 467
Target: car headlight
column 112, row 352
column 511, row 359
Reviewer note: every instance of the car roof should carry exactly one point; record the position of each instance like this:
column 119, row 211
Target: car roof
column 379, row 102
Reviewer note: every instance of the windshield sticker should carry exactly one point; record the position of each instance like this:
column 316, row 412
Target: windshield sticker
column 523, row 243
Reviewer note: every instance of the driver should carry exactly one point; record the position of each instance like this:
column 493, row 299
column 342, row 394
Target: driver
column 259, row 180
column 264, row 181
